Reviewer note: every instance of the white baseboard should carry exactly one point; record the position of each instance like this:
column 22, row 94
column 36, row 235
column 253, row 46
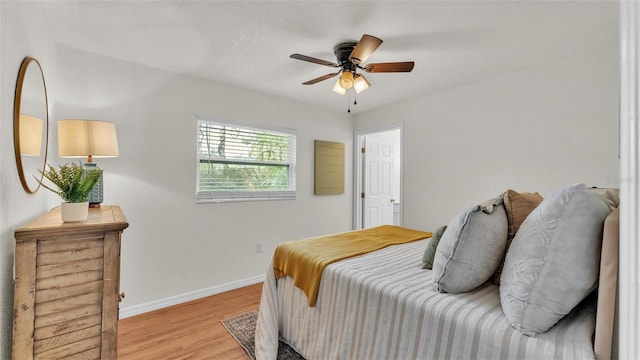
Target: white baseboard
column 194, row 295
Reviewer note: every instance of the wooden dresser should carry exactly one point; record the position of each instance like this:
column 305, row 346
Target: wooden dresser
column 67, row 280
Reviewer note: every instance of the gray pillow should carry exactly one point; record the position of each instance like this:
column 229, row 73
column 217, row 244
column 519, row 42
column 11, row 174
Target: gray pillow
column 553, row 261
column 472, row 248
column 432, row 245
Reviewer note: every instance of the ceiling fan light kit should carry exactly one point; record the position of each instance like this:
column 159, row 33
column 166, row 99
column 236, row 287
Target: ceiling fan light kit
column 346, row 80
column 339, row 89
column 361, row 84
column 350, row 56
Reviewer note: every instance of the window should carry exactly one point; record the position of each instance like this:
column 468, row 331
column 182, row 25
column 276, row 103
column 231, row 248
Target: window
column 237, row 163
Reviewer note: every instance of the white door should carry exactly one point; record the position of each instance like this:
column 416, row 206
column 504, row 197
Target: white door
column 377, row 204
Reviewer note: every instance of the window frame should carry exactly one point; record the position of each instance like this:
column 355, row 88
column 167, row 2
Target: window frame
column 243, row 196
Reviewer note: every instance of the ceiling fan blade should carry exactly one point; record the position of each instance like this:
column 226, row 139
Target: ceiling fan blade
column 405, row 66
column 313, row 60
column 364, row 48
column 321, row 78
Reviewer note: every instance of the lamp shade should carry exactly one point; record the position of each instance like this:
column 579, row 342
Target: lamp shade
column 30, row 135
column 361, row 84
column 87, row 138
column 339, row 89
column 346, row 80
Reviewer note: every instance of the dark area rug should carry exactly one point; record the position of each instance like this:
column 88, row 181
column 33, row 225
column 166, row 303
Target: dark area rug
column 243, row 328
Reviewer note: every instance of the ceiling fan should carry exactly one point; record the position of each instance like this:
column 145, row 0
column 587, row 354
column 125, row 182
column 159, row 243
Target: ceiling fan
column 351, row 57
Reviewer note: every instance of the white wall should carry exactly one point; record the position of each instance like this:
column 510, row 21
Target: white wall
column 23, row 32
column 173, row 245
column 536, row 129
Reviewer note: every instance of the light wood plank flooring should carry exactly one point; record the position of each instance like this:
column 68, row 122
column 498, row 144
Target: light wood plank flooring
column 187, row 331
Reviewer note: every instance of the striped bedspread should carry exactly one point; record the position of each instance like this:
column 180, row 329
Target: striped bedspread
column 382, row 306
column 305, row 260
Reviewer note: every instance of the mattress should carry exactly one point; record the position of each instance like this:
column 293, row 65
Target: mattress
column 382, row 305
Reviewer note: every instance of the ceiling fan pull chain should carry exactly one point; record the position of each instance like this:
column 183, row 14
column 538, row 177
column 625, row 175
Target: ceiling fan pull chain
column 355, row 97
column 348, row 102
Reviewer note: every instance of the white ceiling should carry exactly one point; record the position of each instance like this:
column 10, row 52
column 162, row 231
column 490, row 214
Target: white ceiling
column 248, row 43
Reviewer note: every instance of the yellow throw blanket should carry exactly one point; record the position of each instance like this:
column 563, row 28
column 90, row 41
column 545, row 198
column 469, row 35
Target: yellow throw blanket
column 304, row 260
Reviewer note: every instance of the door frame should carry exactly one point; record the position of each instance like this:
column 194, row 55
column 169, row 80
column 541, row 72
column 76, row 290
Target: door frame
column 358, row 171
column 628, row 324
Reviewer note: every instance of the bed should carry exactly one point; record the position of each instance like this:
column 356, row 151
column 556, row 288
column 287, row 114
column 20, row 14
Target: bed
column 382, row 305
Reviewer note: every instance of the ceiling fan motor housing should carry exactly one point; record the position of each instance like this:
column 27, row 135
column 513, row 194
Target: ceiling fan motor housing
column 342, row 52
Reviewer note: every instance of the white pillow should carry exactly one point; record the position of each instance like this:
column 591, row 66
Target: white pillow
column 553, row 261
column 471, row 249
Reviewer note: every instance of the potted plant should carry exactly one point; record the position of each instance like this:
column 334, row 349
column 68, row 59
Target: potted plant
column 73, row 184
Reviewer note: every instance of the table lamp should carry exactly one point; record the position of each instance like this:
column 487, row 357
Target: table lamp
column 90, row 139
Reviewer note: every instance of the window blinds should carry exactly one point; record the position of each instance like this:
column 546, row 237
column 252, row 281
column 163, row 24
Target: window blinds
column 238, row 163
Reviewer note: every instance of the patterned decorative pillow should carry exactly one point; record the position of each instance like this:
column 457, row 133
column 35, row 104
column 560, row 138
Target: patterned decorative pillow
column 432, row 245
column 518, row 206
column 553, row 261
column 471, row 249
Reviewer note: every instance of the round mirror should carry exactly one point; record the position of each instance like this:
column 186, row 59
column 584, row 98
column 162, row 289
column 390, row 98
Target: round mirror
column 30, row 124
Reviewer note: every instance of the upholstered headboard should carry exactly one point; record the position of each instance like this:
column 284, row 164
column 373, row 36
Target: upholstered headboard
column 607, row 287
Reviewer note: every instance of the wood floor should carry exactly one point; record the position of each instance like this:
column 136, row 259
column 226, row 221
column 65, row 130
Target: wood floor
column 187, row 331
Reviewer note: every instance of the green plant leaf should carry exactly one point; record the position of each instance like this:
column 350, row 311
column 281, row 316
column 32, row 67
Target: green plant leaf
column 73, row 182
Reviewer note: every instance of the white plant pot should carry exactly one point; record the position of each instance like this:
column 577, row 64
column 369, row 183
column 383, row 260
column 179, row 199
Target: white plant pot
column 74, row 212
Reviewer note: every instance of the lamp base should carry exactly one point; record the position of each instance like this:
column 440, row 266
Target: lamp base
column 95, row 195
